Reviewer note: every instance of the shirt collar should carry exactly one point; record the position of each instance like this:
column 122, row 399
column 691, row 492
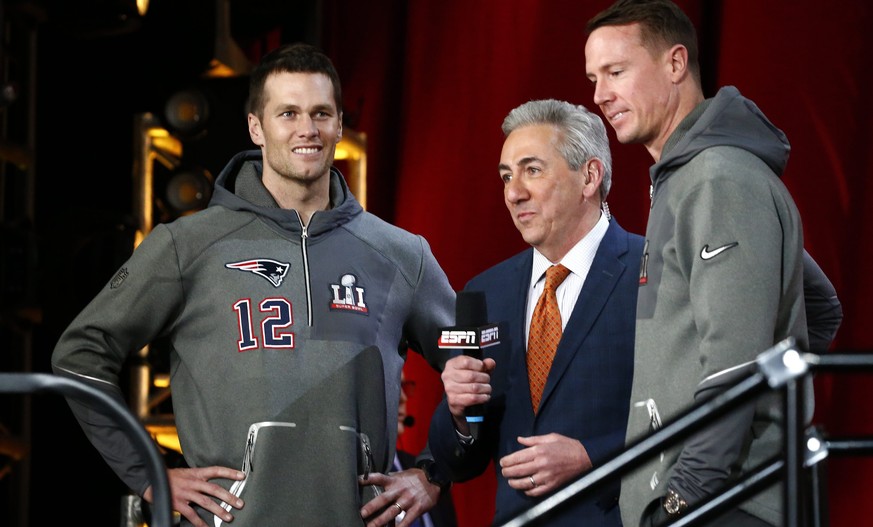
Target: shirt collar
column 578, row 259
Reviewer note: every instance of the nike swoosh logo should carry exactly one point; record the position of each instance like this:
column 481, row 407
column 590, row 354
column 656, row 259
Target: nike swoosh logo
column 706, row 254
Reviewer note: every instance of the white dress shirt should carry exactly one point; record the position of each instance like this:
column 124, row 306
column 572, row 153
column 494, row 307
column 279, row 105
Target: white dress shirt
column 578, row 260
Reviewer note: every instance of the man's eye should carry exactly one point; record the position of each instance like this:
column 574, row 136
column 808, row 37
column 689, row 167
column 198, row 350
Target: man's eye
column 506, row 177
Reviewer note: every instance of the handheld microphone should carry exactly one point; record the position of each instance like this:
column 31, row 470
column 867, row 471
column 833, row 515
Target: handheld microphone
column 471, row 334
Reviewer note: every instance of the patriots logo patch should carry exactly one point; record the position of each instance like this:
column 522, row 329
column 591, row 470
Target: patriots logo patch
column 270, row 269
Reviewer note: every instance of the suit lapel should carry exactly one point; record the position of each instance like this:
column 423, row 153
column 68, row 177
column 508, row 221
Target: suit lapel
column 517, row 330
column 606, row 269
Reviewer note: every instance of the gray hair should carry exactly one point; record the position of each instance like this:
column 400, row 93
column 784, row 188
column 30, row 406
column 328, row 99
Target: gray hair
column 584, row 133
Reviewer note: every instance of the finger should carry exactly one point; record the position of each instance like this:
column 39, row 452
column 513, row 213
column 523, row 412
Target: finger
column 532, row 440
column 529, row 485
column 210, row 505
column 464, row 369
column 537, row 485
column 213, row 472
column 375, row 505
column 520, row 483
column 191, row 515
column 225, row 496
column 203, row 492
column 535, row 492
column 375, row 478
column 391, row 512
column 520, row 457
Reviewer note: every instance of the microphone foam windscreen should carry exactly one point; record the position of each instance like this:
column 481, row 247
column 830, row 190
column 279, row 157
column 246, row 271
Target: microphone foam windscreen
column 471, row 309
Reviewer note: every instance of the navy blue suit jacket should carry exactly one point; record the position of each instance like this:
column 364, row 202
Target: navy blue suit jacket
column 587, row 393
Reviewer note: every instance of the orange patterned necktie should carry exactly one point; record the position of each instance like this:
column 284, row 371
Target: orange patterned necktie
column 545, row 333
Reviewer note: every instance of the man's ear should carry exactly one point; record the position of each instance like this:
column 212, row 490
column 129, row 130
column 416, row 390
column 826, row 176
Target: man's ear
column 255, row 131
column 678, row 61
column 593, row 177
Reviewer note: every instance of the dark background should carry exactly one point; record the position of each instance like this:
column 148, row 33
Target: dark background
column 428, row 83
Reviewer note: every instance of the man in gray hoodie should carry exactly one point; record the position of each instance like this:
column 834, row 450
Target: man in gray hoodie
column 289, row 309
column 722, row 275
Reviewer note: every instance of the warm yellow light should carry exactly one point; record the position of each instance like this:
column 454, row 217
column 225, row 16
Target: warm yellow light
column 166, row 436
column 220, row 70
column 142, row 6
column 348, row 150
column 156, row 144
column 161, row 140
column 353, row 150
column 161, row 380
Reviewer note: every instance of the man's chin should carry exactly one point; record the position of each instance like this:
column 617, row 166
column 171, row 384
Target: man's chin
column 627, row 137
column 310, row 171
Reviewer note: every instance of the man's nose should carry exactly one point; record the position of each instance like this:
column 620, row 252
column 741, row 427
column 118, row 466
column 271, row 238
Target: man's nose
column 602, row 93
column 306, row 126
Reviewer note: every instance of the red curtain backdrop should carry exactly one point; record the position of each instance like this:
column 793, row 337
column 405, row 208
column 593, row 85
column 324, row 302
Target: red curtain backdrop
column 430, row 83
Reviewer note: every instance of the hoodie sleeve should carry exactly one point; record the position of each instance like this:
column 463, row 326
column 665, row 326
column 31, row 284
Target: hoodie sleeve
column 128, row 313
column 824, row 312
column 732, row 229
column 433, row 308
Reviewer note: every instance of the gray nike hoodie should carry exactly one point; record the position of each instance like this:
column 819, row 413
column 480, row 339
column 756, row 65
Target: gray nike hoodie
column 720, row 282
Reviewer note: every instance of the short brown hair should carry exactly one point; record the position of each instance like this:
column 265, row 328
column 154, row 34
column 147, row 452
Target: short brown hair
column 662, row 24
column 291, row 58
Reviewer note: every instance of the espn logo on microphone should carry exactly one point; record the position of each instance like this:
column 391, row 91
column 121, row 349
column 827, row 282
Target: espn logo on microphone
column 469, row 338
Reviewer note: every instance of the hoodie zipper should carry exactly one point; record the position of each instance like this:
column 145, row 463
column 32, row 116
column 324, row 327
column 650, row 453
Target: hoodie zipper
column 304, row 235
column 654, row 425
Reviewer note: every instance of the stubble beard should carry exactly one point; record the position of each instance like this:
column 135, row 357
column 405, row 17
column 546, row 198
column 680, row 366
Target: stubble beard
column 285, row 167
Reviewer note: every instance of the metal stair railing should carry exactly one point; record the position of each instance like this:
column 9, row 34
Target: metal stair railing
column 43, row 382
column 781, row 368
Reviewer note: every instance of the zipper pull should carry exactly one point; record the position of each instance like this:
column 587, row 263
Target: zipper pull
column 250, row 446
column 368, row 455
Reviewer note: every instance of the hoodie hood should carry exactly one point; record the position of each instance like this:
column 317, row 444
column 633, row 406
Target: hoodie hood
column 239, row 187
column 728, row 119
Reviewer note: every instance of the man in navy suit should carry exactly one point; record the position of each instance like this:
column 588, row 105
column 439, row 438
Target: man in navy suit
column 556, row 170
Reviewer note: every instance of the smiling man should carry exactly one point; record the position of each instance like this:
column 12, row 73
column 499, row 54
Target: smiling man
column 722, row 275
column 286, row 305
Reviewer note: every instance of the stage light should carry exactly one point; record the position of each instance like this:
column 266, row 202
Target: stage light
column 351, row 158
column 228, row 58
column 188, row 190
column 187, row 113
column 142, row 6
